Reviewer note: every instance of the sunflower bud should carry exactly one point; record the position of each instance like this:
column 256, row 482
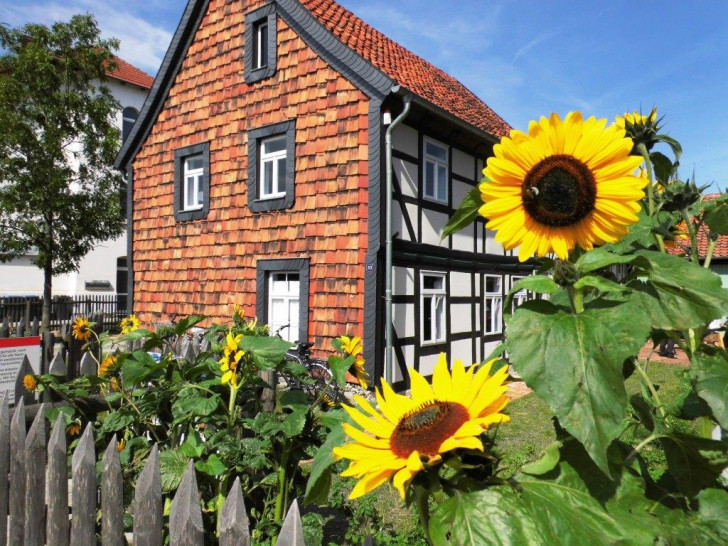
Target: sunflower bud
column 641, row 129
column 679, row 195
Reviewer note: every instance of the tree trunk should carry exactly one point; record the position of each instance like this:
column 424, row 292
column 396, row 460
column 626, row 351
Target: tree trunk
column 45, row 324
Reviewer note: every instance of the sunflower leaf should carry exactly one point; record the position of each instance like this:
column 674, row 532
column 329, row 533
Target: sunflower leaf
column 711, row 365
column 574, row 362
column 319, row 480
column 268, row 352
column 465, row 215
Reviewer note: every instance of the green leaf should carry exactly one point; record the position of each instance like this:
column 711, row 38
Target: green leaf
column 602, row 284
column 712, row 512
column 640, row 236
column 339, row 366
column 116, row 420
column 674, row 144
column 574, row 363
column 268, row 352
column 548, row 461
column 319, row 480
column 694, row 462
column 711, row 366
column 662, row 166
column 535, row 283
column 193, row 446
column 213, row 466
column 465, row 215
column 172, row 464
column 294, row 422
column 139, row 333
column 186, row 323
column 600, row 258
column 294, row 399
column 196, row 405
column 717, row 218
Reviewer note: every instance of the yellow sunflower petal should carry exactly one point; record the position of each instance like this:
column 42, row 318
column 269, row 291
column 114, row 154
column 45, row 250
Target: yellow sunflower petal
column 378, row 428
column 441, row 380
column 369, row 483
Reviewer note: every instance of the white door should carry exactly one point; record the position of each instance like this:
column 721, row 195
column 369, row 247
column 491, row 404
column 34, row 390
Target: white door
column 283, row 295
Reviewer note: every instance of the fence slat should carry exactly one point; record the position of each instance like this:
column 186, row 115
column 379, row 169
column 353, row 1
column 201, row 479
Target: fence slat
column 5, row 328
column 83, row 490
column 35, row 466
column 57, row 527
column 57, row 365
column 20, row 390
column 185, row 517
column 292, row 530
column 17, row 475
column 112, row 499
column 4, row 465
column 88, row 365
column 234, row 523
column 34, row 327
column 148, row 503
column 20, row 328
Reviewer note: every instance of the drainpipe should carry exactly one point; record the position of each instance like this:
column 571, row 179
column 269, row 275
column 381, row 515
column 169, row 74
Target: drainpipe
column 388, row 339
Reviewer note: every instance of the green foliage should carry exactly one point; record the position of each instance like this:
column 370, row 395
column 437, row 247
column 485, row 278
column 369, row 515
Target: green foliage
column 467, row 212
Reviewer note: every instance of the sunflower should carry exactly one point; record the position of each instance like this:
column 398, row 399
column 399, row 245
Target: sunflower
column 352, row 346
column 129, row 324
column 565, row 183
column 81, row 329
column 74, row 429
column 636, row 118
column 408, row 433
column 120, row 445
column 358, row 371
column 30, row 382
column 230, row 359
column 107, row 365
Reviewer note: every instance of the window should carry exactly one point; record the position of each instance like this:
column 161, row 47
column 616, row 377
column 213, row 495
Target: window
column 432, row 307
column 282, row 296
column 192, row 182
column 271, row 167
column 521, row 296
column 435, row 170
column 122, row 285
column 493, row 307
column 259, row 54
column 260, row 44
column 283, row 301
column 128, row 118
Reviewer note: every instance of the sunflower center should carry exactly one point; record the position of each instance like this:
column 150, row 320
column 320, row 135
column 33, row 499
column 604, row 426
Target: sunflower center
column 426, row 427
column 559, row 190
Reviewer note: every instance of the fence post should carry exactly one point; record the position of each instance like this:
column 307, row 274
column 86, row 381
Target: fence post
column 292, row 530
column 4, row 465
column 20, row 390
column 112, row 498
column 83, row 490
column 148, row 503
column 57, row 527
column 17, row 475
column 35, row 467
column 234, row 523
column 185, row 517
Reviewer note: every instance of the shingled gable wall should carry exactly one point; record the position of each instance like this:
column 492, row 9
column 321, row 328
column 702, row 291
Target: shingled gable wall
column 204, row 266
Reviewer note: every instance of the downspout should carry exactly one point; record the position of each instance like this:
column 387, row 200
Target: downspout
column 388, row 339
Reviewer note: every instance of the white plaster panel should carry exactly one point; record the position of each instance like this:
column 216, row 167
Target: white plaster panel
column 403, row 318
column 432, row 225
column 407, row 174
column 409, row 358
column 460, row 318
column 491, row 245
column 462, row 163
column 460, row 283
column 463, row 239
column 427, row 364
column 405, row 139
column 462, row 350
column 480, row 165
column 403, row 281
column 489, row 348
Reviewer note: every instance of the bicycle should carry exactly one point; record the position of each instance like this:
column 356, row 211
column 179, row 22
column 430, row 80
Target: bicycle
column 323, row 384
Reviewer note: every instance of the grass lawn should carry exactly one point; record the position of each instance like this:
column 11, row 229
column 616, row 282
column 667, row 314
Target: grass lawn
column 531, row 429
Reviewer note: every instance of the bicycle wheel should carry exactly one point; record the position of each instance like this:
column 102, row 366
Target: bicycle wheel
column 324, row 383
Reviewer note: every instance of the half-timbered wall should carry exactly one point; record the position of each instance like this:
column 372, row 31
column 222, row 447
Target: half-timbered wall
column 476, row 271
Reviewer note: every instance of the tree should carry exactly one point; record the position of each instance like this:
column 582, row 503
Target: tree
column 59, row 191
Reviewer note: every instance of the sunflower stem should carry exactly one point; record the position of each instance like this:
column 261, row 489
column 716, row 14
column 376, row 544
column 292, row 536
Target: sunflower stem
column 709, row 253
column 576, row 299
column 422, row 495
column 694, row 257
column 642, row 149
column 651, row 387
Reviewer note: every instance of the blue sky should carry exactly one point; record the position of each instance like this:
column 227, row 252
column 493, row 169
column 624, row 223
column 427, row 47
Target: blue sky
column 524, row 58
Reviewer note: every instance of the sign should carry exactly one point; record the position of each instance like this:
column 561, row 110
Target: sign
column 12, row 353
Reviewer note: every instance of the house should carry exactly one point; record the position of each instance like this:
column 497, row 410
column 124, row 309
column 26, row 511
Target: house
column 257, row 176
column 103, row 270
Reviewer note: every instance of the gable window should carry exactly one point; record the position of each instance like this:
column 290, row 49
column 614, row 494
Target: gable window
column 259, row 52
column 282, row 296
column 493, row 307
column 192, row 182
column 433, row 296
column 435, row 171
column 128, row 119
column 271, row 167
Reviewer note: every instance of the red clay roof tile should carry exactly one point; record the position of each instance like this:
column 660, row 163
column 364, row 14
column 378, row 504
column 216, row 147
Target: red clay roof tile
column 406, row 68
column 131, row 74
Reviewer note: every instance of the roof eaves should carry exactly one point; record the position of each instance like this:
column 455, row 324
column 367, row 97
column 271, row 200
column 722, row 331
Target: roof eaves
column 181, row 40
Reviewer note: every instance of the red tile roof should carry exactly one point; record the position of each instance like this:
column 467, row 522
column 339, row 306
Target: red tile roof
column 131, row 74
column 406, row 68
column 721, row 247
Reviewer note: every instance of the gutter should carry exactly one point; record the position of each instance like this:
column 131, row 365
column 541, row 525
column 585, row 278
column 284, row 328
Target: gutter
column 388, row 339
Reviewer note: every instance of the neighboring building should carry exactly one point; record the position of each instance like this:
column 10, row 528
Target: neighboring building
column 103, row 270
column 257, row 177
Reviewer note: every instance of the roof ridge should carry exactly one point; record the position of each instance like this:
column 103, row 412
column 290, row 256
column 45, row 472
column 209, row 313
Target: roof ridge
column 127, row 72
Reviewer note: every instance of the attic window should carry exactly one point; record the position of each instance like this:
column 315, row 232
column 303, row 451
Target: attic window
column 102, row 286
column 259, row 57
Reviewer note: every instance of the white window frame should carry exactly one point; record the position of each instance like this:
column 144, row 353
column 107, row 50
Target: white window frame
column 436, row 163
column 273, row 158
column 196, row 200
column 520, row 297
column 493, row 306
column 434, row 295
column 287, row 297
column 260, row 60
